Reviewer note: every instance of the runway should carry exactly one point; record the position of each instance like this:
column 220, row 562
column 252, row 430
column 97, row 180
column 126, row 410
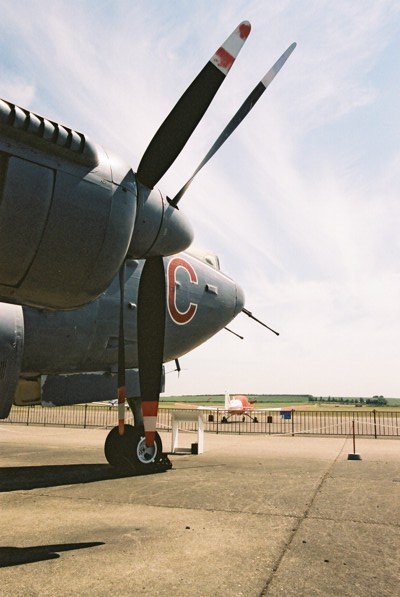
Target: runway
column 253, row 515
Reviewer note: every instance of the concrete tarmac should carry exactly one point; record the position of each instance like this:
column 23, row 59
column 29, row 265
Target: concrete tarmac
column 254, row 515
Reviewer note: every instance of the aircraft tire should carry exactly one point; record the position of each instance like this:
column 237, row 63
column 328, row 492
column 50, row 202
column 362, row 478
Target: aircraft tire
column 117, row 448
column 130, row 450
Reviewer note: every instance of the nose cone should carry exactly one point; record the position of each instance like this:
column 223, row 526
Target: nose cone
column 240, row 300
column 175, row 234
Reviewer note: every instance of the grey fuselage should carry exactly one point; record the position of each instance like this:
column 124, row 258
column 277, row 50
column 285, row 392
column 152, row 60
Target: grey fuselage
column 86, row 339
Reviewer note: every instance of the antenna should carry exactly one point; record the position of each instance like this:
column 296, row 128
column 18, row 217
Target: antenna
column 250, row 314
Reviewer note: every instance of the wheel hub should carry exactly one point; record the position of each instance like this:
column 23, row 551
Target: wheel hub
column 145, row 453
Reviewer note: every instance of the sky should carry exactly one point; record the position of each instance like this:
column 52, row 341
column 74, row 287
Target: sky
column 301, row 204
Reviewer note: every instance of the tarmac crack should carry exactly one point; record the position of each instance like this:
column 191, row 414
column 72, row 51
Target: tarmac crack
column 300, row 519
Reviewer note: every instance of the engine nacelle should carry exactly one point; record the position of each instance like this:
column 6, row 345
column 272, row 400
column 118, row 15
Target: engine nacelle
column 11, row 349
column 66, row 215
column 70, row 214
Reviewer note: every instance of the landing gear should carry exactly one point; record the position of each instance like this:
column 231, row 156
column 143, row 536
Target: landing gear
column 252, row 419
column 129, row 451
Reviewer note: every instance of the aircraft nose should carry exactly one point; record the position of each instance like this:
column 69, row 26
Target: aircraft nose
column 240, row 300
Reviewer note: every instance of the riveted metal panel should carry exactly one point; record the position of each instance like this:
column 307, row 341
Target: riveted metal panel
column 73, row 237
column 24, row 204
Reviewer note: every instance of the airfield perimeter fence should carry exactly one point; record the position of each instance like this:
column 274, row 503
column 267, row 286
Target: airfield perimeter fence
column 372, row 423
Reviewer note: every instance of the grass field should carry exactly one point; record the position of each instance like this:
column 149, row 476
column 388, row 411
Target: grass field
column 272, row 400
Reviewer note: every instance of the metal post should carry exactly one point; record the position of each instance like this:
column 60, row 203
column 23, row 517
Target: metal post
column 217, row 420
column 27, row 415
column 135, row 404
column 354, row 456
column 292, row 422
column 84, row 419
column 374, row 411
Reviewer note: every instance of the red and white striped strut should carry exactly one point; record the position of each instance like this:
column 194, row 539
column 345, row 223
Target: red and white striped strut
column 225, row 56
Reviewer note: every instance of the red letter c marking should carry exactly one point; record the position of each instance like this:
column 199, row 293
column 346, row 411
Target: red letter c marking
column 179, row 317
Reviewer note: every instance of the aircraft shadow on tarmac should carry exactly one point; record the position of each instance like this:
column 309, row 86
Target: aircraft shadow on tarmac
column 15, row 556
column 19, row 478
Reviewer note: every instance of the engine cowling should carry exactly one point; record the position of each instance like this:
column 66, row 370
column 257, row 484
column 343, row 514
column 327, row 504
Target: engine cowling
column 70, row 214
column 11, row 349
column 65, row 220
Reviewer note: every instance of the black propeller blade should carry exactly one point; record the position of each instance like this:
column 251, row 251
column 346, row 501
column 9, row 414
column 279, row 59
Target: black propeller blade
column 240, row 115
column 151, row 331
column 151, row 309
column 176, row 129
column 121, row 354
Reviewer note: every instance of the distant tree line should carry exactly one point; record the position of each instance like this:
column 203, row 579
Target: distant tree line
column 374, row 401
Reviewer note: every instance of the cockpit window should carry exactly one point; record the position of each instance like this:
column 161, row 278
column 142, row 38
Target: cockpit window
column 205, row 256
column 213, row 261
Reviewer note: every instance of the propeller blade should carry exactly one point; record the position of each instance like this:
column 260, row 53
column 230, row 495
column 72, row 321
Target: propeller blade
column 121, row 354
column 240, row 115
column 151, row 332
column 180, row 123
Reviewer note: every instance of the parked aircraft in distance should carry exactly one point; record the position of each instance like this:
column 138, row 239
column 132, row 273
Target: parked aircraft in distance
column 239, row 405
column 96, row 287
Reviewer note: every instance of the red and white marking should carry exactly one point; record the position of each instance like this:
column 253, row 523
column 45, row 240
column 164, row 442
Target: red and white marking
column 150, row 411
column 225, row 56
column 179, row 317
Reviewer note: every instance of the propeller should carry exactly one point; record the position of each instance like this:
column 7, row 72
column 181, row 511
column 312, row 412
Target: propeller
column 240, row 115
column 121, row 354
column 160, row 154
column 163, row 149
